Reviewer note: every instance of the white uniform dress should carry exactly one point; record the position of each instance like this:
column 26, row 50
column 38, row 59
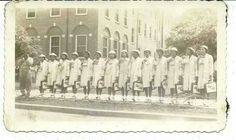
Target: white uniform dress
column 124, row 66
column 174, row 71
column 160, row 66
column 52, row 72
column 135, row 70
column 205, row 70
column 86, row 71
column 75, row 71
column 190, row 71
column 63, row 71
column 147, row 71
column 111, row 72
column 42, row 72
column 98, row 70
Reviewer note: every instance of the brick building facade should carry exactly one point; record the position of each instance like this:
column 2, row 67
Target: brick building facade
column 79, row 29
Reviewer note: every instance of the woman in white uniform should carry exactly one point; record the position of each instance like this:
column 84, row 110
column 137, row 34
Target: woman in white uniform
column 42, row 72
column 98, row 72
column 174, row 71
column 135, row 71
column 190, row 70
column 52, row 72
column 75, row 71
column 111, row 74
column 124, row 66
column 63, row 72
column 160, row 67
column 86, row 73
column 205, row 70
column 147, row 74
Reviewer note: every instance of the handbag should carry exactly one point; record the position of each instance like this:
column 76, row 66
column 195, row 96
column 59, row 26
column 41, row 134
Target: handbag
column 195, row 89
column 179, row 88
column 211, row 87
column 128, row 87
column 77, row 84
column 100, row 84
column 138, row 86
column 116, row 86
column 65, row 83
column 44, row 85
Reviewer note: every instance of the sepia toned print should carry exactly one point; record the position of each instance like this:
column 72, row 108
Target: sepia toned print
column 147, row 66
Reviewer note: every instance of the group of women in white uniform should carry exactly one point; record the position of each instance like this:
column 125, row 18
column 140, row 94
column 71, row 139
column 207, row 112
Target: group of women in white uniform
column 128, row 73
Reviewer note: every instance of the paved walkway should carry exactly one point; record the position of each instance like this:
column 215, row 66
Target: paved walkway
column 118, row 98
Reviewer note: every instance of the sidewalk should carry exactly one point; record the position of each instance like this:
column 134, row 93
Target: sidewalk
column 117, row 108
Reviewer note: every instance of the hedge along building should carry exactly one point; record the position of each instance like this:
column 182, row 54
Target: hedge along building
column 79, row 29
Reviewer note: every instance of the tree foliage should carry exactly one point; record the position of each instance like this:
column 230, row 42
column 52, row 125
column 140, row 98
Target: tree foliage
column 25, row 44
column 196, row 27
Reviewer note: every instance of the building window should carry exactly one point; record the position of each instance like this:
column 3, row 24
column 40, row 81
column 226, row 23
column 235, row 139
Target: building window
column 116, row 47
column 55, row 12
column 132, row 35
column 145, row 30
column 81, row 43
column 150, row 32
column 107, row 14
column 105, row 46
column 117, row 16
column 125, row 18
column 55, row 44
column 31, row 14
column 81, row 11
column 139, row 26
column 125, row 43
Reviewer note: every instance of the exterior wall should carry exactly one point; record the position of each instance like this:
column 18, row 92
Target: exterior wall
column 148, row 17
column 93, row 24
column 64, row 26
column 114, row 27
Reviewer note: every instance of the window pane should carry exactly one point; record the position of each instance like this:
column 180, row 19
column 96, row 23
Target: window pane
column 132, row 35
column 105, row 42
column 117, row 16
column 104, row 52
column 81, row 48
column 55, row 50
column 125, row 19
column 107, row 12
column 81, row 10
column 81, row 40
column 55, row 11
column 31, row 13
column 115, row 44
column 55, row 41
column 124, row 46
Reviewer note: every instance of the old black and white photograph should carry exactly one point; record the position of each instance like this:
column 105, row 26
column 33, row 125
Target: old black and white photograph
column 75, row 66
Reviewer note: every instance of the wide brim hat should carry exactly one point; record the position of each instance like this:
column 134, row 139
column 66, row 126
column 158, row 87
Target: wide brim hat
column 174, row 49
column 124, row 51
column 42, row 55
column 64, row 53
column 87, row 52
column 53, row 54
column 75, row 53
column 147, row 50
column 204, row 46
column 137, row 51
column 190, row 48
column 98, row 52
column 112, row 52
